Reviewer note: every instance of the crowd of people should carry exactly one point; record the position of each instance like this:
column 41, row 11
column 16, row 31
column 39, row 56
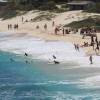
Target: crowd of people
column 15, row 26
column 87, row 30
column 60, row 28
column 84, row 32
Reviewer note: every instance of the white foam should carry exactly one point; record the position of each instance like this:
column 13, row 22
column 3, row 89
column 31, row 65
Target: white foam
column 91, row 82
column 41, row 49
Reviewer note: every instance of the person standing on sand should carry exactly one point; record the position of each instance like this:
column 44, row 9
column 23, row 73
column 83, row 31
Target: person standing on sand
column 66, row 31
column 22, row 19
column 56, row 30
column 77, row 47
column 45, row 26
column 91, row 59
column 17, row 26
column 53, row 24
column 8, row 26
column 97, row 48
column 37, row 27
column 63, row 30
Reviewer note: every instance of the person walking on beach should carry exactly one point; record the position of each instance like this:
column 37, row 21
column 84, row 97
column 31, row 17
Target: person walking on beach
column 45, row 26
column 97, row 48
column 53, row 24
column 22, row 19
column 17, row 26
column 37, row 27
column 63, row 31
column 66, row 31
column 91, row 59
column 77, row 47
column 56, row 30
column 8, row 26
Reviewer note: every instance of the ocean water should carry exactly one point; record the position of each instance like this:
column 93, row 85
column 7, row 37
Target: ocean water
column 37, row 78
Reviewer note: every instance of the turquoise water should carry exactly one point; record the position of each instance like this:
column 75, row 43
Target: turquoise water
column 39, row 80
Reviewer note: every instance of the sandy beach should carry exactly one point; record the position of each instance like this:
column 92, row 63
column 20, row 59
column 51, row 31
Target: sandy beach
column 27, row 66
column 63, row 19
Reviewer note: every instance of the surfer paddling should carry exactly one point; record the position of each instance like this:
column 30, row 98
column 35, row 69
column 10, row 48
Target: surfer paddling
column 54, row 57
column 56, row 62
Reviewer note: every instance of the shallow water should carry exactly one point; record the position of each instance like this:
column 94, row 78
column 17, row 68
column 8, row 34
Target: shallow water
column 37, row 78
column 40, row 80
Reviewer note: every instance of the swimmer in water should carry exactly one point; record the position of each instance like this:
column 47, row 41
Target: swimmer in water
column 12, row 60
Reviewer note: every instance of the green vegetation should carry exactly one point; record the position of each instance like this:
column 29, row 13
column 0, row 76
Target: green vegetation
column 44, row 5
column 47, row 16
column 27, row 5
column 38, row 4
column 13, row 7
column 8, row 14
column 95, row 8
column 91, row 21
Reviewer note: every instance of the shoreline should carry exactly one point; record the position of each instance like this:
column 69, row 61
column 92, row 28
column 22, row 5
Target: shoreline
column 43, row 48
column 69, row 38
column 60, row 19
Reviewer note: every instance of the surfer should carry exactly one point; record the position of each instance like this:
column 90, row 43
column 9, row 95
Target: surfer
column 54, row 57
column 25, row 54
column 56, row 62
